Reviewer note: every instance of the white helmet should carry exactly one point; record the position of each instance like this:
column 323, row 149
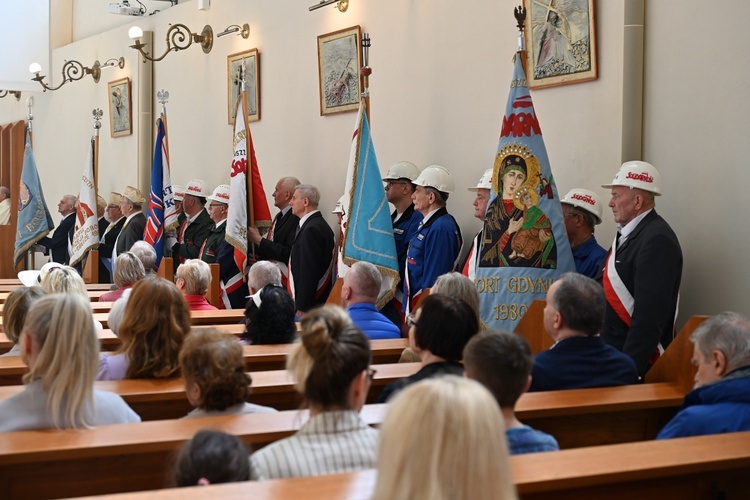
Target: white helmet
column 339, row 208
column 402, row 170
column 485, row 182
column 639, row 175
column 436, row 177
column 585, row 200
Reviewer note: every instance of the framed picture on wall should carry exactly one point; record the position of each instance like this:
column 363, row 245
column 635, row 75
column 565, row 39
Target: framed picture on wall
column 339, row 61
column 252, row 81
column 560, row 42
column 120, row 108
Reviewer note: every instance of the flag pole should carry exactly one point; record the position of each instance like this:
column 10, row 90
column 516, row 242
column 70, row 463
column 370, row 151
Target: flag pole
column 366, row 71
column 520, row 15
column 163, row 97
column 97, row 113
column 30, row 257
column 249, row 175
column 30, row 104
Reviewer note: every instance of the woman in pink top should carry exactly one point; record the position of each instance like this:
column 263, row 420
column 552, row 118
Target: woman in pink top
column 193, row 278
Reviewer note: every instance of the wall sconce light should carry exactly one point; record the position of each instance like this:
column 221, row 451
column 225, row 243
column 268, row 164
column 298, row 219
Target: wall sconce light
column 73, row 71
column 16, row 93
column 178, row 38
column 243, row 31
column 342, row 5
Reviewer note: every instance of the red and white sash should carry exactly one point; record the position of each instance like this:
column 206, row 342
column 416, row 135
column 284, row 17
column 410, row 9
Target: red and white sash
column 617, row 294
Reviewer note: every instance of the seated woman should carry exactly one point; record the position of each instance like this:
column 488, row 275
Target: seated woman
column 331, row 367
column 128, row 271
column 438, row 333
column 193, row 278
column 14, row 314
column 154, row 324
column 60, row 347
column 270, row 317
column 215, row 380
column 456, row 450
column 212, row 457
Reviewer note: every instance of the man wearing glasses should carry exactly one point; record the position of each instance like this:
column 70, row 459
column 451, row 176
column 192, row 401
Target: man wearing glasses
column 582, row 210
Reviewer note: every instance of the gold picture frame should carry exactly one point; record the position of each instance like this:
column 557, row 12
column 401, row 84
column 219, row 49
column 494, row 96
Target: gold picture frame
column 252, row 79
column 560, row 42
column 339, row 78
column 120, row 107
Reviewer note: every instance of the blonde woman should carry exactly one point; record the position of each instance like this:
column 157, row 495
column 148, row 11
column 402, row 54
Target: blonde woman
column 454, row 451
column 193, row 278
column 59, row 345
column 16, row 306
column 331, row 365
column 66, row 280
column 128, row 271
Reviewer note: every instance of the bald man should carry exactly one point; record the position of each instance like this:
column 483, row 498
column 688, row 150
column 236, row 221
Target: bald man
column 359, row 294
column 57, row 245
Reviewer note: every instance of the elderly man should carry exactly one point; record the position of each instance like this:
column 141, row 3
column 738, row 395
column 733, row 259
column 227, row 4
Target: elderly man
column 131, row 204
column 58, row 244
column 435, row 246
column 218, row 207
column 276, row 246
column 4, row 206
column 573, row 317
column 483, row 188
column 146, row 254
column 582, row 210
column 359, row 294
column 101, row 214
column 311, row 260
column 263, row 273
column 194, row 231
column 641, row 276
column 108, row 237
column 720, row 401
column 193, row 279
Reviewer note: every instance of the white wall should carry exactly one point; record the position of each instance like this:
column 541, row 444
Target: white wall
column 441, row 73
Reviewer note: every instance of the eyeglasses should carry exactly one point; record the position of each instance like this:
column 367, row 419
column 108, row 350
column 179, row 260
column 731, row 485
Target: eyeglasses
column 411, row 320
column 371, row 374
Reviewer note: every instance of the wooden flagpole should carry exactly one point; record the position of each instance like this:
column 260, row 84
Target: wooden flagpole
column 248, row 154
column 366, row 71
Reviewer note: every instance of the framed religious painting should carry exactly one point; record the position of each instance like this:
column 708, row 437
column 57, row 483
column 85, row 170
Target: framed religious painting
column 560, row 42
column 339, row 61
column 120, row 109
column 251, row 58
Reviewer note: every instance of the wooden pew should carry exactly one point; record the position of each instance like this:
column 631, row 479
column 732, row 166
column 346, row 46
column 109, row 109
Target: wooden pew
column 89, row 287
column 696, row 467
column 675, row 364
column 93, row 295
column 531, row 327
column 96, row 307
column 220, row 317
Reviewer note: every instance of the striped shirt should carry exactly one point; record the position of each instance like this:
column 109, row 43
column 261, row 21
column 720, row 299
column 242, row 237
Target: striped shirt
column 329, row 443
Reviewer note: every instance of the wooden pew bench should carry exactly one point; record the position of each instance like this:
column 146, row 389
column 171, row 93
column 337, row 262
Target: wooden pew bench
column 93, row 295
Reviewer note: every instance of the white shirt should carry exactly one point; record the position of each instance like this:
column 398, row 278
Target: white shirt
column 5, row 212
column 628, row 228
column 303, row 219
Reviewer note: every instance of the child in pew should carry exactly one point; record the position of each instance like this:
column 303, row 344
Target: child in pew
column 154, row 325
column 501, row 361
column 14, row 314
column 331, row 365
column 212, row 457
column 443, row 439
column 270, row 317
column 215, row 380
column 59, row 344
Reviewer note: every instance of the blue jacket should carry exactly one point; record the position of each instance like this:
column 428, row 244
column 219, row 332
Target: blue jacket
column 717, row 408
column 432, row 252
column 366, row 317
column 581, row 362
column 403, row 232
column 589, row 257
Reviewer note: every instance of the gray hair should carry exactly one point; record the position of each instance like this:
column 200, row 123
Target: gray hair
column 728, row 333
column 289, row 183
column 128, row 270
column 580, row 301
column 263, row 273
column 366, row 279
column 5, row 191
column 145, row 253
column 136, row 206
column 70, row 199
column 197, row 276
column 310, row 192
column 459, row 286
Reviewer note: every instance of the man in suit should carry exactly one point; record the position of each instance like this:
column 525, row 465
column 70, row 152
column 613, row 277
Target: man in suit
column 641, row 275
column 482, row 190
column 573, row 317
column 108, row 236
column 131, row 204
column 58, row 244
column 311, row 260
column 198, row 224
column 276, row 246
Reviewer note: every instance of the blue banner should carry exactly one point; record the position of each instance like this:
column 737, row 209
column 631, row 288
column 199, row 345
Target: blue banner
column 524, row 247
column 34, row 220
column 154, row 232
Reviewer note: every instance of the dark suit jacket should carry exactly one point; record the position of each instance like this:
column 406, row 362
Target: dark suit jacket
column 105, row 248
column 649, row 263
column 283, row 238
column 58, row 243
column 103, row 225
column 131, row 232
column 195, row 234
column 311, row 261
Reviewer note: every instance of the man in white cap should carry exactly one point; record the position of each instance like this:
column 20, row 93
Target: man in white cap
column 483, row 187
column 435, row 246
column 399, row 188
column 58, row 244
column 193, row 232
column 108, row 237
column 641, row 277
column 581, row 211
column 131, row 206
column 218, row 208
